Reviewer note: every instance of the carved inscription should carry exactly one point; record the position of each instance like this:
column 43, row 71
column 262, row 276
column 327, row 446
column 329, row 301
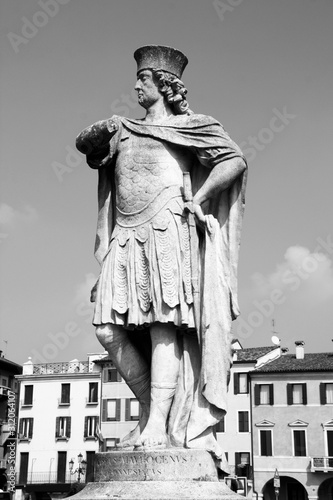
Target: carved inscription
column 143, row 465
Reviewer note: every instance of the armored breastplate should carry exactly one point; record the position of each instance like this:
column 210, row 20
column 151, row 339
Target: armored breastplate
column 145, row 168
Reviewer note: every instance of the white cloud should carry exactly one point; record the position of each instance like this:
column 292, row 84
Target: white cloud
column 303, row 274
column 9, row 216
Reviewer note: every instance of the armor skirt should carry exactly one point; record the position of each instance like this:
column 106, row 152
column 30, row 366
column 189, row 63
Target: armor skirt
column 146, row 273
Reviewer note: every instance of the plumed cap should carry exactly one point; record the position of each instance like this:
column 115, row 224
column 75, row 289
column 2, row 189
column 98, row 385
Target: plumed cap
column 161, row 57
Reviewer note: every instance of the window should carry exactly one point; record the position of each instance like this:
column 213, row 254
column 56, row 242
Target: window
column 24, row 461
column 264, row 394
column 243, row 421
column 242, row 464
column 65, row 394
column 296, row 394
column 326, row 393
column 110, row 409
column 299, row 443
column 110, row 443
column 93, row 392
column 4, row 382
column 265, row 443
column 28, row 393
column 90, row 427
column 63, row 427
column 26, row 428
column 112, row 375
column 132, row 409
column 241, row 385
column 220, row 427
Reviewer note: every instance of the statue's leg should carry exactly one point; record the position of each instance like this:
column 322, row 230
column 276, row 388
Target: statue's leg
column 134, row 370
column 164, row 375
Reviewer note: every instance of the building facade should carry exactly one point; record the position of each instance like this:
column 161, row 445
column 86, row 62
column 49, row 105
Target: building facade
column 8, row 417
column 292, row 426
column 58, row 426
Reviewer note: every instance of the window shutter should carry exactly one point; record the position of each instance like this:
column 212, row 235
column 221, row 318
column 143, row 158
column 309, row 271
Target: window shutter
column 85, row 434
column 271, row 394
column 322, row 393
column 57, row 430
column 104, row 410
column 118, row 410
column 304, row 394
column 68, row 427
column 289, row 394
column 246, row 421
column 257, row 394
column 236, row 383
column 31, row 425
column 128, row 409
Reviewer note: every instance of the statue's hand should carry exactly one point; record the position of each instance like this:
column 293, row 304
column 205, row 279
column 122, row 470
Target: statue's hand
column 95, row 138
column 203, row 221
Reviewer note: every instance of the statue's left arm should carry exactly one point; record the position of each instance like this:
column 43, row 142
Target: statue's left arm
column 220, row 178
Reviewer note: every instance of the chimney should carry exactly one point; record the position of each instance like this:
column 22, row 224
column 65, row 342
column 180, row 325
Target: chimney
column 299, row 349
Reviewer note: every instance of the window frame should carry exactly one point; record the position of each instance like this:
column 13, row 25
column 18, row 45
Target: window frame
column 65, row 401
column 290, row 394
column 237, row 376
column 28, row 401
column 92, row 387
column 257, row 394
column 67, row 428
column 105, row 417
column 26, row 425
column 88, row 419
column 243, row 422
column 270, row 431
column 300, row 430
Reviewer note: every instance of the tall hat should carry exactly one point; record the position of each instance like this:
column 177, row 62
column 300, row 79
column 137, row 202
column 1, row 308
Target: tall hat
column 161, row 57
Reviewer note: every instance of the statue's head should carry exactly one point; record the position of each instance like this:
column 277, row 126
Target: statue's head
column 166, row 66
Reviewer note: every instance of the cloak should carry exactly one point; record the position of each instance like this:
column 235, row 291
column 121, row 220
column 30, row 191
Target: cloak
column 201, row 396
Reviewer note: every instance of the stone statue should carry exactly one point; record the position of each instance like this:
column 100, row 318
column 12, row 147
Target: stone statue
column 171, row 199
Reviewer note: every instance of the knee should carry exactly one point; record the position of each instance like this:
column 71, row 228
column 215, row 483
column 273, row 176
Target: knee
column 111, row 336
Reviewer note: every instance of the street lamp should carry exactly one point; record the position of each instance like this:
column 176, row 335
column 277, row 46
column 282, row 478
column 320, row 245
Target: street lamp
column 276, row 484
column 81, row 469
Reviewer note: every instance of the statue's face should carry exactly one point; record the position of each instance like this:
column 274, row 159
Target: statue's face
column 147, row 89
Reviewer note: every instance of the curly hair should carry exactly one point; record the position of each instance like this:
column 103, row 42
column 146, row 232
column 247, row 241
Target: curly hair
column 173, row 90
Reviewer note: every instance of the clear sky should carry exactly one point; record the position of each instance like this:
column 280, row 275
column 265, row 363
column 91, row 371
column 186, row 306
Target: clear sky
column 263, row 68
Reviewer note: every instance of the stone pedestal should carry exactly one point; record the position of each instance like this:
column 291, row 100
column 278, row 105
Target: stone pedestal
column 168, row 474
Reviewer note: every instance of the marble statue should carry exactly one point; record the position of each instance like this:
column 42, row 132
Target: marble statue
column 171, row 200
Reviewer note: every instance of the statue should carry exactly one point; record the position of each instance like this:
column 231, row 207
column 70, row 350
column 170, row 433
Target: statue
column 171, row 199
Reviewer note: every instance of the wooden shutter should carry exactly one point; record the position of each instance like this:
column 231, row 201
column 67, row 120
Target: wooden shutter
column 21, row 426
column 118, row 410
column 289, row 394
column 271, row 394
column 304, row 394
column 68, row 426
column 61, row 469
column 24, row 461
column 128, row 409
column 28, row 394
column 322, row 393
column 65, row 393
column 85, row 434
column 57, row 430
column 257, row 394
column 31, row 426
column 104, row 410
column 89, row 476
column 236, row 383
column 246, row 421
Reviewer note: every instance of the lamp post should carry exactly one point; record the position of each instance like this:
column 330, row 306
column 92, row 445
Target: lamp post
column 81, row 469
column 276, row 484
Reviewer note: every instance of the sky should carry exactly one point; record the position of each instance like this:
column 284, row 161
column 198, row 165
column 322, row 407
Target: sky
column 263, row 68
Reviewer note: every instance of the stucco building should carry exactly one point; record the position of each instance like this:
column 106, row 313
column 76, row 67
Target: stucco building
column 292, row 426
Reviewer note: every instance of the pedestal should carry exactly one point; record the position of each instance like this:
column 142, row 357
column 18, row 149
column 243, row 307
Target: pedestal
column 168, row 474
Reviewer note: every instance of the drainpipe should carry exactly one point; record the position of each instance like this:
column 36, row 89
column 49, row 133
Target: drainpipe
column 251, row 420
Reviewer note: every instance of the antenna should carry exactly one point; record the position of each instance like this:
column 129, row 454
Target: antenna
column 275, row 339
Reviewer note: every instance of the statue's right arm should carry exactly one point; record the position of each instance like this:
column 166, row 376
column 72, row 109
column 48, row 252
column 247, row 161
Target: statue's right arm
column 94, row 142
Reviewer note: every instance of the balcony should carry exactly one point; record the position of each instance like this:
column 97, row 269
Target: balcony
column 322, row 464
column 56, row 368
column 46, row 478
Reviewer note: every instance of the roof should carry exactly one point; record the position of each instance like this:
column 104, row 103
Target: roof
column 253, row 353
column 312, row 362
column 10, row 366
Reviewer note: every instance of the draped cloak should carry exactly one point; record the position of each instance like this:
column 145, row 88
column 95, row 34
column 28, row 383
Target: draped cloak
column 201, row 395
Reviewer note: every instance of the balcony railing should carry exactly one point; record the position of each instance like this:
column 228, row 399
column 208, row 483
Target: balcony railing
column 55, row 368
column 46, row 478
column 322, row 464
